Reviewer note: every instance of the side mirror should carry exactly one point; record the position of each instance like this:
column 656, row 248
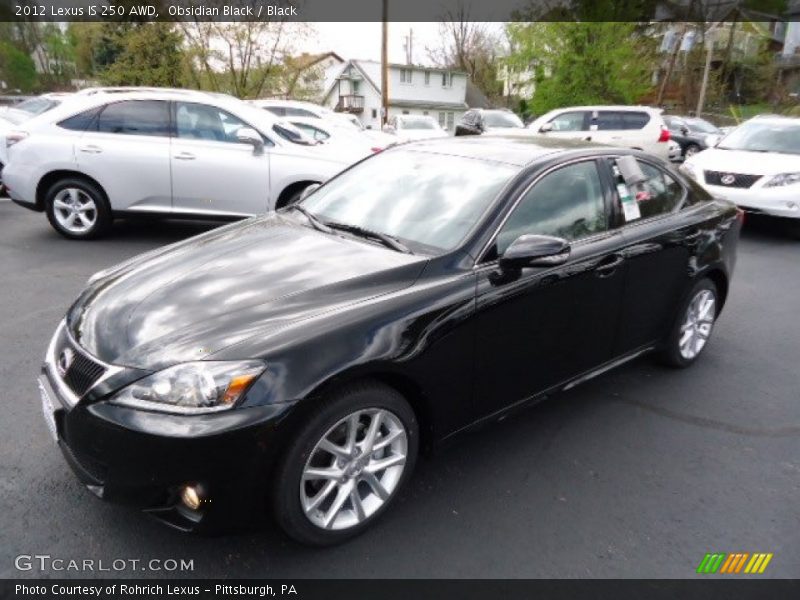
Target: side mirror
column 246, row 135
column 685, row 130
column 546, row 127
column 307, row 191
column 535, row 251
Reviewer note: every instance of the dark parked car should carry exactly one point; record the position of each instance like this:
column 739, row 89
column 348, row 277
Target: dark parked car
column 295, row 363
column 477, row 121
column 691, row 133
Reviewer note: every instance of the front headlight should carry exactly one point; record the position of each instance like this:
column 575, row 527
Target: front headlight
column 192, row 388
column 783, row 179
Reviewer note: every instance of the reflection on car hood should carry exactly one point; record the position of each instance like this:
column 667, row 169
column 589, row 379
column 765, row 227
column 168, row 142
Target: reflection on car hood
column 207, row 293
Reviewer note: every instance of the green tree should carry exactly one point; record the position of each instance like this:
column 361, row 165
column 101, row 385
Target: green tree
column 17, row 69
column 147, row 54
column 576, row 63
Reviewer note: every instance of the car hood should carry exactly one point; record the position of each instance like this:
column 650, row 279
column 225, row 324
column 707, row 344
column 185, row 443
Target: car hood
column 195, row 298
column 510, row 131
column 750, row 163
column 421, row 134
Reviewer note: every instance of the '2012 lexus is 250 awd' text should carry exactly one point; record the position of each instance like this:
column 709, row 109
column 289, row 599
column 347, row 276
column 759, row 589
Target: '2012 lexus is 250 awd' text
column 294, row 364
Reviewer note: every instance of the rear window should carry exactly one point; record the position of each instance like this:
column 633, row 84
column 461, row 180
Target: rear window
column 621, row 120
column 135, row 117
column 80, row 122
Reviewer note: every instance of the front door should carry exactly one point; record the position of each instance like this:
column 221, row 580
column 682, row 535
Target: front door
column 550, row 324
column 212, row 172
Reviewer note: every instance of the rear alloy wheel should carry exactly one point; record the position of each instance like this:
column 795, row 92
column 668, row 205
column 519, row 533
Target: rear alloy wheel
column 694, row 325
column 77, row 209
column 346, row 465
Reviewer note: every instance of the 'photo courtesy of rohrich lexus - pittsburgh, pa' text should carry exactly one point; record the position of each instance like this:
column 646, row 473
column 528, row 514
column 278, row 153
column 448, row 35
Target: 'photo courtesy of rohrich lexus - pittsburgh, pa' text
column 371, row 299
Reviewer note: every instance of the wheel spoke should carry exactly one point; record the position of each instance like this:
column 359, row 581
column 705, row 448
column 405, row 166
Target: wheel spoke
column 352, row 431
column 341, row 497
column 321, row 495
column 687, row 335
column 70, row 220
column 381, row 443
column 73, row 196
column 60, row 204
column 376, row 485
column 355, row 500
column 88, row 205
column 379, row 465
column 334, row 449
column 372, row 432
column 321, row 473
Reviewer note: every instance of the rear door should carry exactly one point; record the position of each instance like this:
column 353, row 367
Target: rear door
column 126, row 149
column 572, row 124
column 624, row 128
column 660, row 236
column 212, row 172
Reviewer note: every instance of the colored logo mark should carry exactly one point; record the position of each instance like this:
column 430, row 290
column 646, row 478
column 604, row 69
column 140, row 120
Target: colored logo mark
column 737, row 562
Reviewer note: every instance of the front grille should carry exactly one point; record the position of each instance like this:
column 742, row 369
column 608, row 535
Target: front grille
column 740, row 180
column 81, row 373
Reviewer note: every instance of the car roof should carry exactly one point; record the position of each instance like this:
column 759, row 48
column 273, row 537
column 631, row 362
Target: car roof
column 517, row 151
column 776, row 119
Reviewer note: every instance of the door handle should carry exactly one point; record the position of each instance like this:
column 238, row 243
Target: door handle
column 185, row 156
column 91, row 149
column 609, row 265
column 588, row 138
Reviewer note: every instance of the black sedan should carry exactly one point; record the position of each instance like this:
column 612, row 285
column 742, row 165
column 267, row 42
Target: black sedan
column 294, row 364
column 691, row 133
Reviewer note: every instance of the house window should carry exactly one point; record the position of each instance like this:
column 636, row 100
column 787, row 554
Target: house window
column 374, row 113
column 442, row 117
column 425, row 112
column 451, row 117
column 355, row 85
column 427, row 77
column 405, row 75
column 405, row 112
column 447, row 79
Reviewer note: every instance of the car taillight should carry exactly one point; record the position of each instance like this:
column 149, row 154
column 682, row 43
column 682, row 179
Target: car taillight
column 664, row 137
column 740, row 215
column 375, row 149
column 15, row 136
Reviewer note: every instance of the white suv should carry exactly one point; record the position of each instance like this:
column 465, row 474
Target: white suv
column 638, row 127
column 757, row 166
column 175, row 153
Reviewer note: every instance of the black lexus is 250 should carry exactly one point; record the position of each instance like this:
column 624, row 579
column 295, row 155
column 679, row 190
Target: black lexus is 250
column 293, row 365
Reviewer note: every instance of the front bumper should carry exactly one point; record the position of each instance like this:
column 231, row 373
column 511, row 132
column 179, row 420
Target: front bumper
column 144, row 458
column 776, row 202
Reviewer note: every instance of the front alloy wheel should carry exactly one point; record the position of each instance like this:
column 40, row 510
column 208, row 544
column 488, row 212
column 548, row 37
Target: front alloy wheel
column 347, row 462
column 354, row 469
column 75, row 210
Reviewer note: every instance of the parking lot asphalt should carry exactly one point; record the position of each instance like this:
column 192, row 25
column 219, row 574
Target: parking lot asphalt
column 637, row 473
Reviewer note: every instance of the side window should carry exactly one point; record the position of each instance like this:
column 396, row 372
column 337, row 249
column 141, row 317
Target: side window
column 609, row 120
column 634, row 120
column 81, row 121
column 203, row 122
column 570, row 121
column 567, row 203
column 135, row 117
column 299, row 112
column 276, row 110
column 659, row 194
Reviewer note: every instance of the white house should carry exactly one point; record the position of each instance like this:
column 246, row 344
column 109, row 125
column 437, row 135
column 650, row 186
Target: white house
column 355, row 87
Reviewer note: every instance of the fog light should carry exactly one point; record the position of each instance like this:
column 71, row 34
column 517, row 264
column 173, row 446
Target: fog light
column 192, row 496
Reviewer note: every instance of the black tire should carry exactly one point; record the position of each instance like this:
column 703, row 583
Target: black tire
column 691, row 149
column 670, row 352
column 287, row 506
column 103, row 217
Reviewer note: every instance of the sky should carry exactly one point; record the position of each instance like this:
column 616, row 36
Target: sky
column 363, row 40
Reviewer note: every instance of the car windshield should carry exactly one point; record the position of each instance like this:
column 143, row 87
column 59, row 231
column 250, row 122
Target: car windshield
column 765, row 136
column 292, row 134
column 417, row 123
column 427, row 201
column 701, row 126
column 501, row 119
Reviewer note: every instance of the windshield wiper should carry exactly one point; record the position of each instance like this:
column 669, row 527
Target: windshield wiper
column 387, row 240
column 312, row 218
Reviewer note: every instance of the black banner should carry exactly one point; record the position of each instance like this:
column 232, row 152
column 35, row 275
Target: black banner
column 399, row 10
column 416, row 589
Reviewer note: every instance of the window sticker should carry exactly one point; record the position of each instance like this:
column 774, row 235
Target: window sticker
column 630, row 208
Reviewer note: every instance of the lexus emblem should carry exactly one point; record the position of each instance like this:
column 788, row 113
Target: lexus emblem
column 64, row 361
column 728, row 179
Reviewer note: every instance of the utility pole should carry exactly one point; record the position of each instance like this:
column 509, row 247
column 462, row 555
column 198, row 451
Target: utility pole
column 385, row 65
column 709, row 42
column 670, row 66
